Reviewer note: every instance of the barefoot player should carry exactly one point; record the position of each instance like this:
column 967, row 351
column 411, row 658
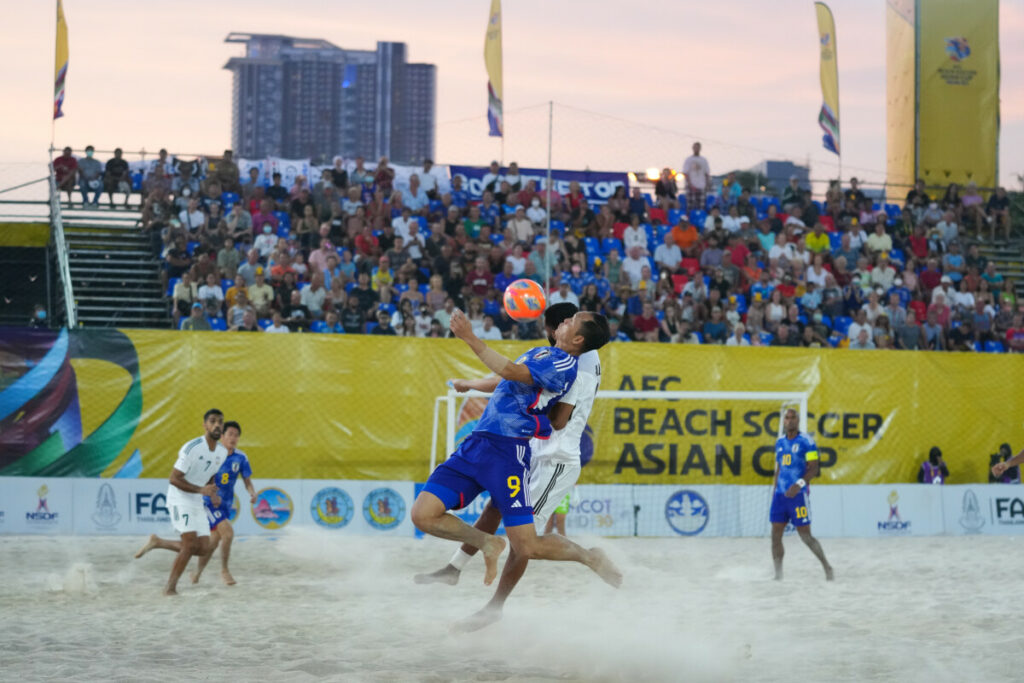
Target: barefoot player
column 191, row 479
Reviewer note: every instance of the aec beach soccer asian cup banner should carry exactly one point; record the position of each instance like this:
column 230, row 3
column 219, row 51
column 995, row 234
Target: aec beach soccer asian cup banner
column 109, row 403
column 596, row 186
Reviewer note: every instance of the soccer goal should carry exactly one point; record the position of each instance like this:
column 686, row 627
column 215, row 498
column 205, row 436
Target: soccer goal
column 677, row 438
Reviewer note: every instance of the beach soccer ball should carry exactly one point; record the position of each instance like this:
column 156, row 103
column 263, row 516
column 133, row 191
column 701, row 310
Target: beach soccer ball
column 524, row 300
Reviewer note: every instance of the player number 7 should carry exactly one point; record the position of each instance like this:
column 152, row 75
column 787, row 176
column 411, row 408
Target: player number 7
column 185, row 515
column 514, row 486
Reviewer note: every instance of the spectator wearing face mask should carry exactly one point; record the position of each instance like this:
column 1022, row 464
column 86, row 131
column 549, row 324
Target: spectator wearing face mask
column 38, row 317
column 933, row 470
column 536, row 213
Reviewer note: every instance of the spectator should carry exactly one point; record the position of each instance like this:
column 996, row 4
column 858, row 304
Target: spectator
column 277, row 192
column 668, row 256
column 277, row 325
column 1015, row 335
column 933, row 470
column 117, row 177
column 314, row 296
column 212, row 296
column 685, row 236
column 196, row 322
column 184, row 295
column 65, row 171
column 227, row 174
column 260, row 294
column 177, row 261
column 228, row 257
column 791, row 195
column 1011, row 475
column 738, row 337
column 331, row 325
column 296, row 314
column 248, row 324
column 384, row 325
column 646, row 324
column 698, row 178
column 933, row 338
column 635, row 236
column 238, row 310
column 863, row 341
column 998, row 213
column 819, row 243
column 715, row 329
column 991, row 276
column 563, row 294
column 90, row 178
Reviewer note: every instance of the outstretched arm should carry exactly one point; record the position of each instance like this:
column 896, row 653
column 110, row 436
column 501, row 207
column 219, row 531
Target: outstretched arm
column 1001, row 467
column 485, row 384
column 250, row 488
column 495, row 362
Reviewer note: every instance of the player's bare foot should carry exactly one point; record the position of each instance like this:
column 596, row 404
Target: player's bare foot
column 170, row 591
column 492, row 550
column 194, row 575
column 829, row 574
column 226, row 577
column 150, row 544
column 478, row 620
column 605, row 568
column 448, row 575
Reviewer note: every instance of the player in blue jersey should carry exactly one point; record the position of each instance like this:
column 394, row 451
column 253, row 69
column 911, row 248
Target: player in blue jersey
column 796, row 463
column 221, row 531
column 496, row 456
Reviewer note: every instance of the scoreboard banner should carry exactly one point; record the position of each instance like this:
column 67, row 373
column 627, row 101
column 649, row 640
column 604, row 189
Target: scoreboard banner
column 110, row 403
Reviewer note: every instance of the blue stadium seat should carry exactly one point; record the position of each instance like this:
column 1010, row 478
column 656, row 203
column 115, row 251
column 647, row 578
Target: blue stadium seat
column 697, row 217
column 835, row 340
column 264, row 323
column 820, row 206
column 802, row 318
column 611, row 244
column 835, row 240
column 283, row 219
column 422, row 220
column 709, row 201
column 892, row 210
column 699, row 335
column 652, row 235
column 741, row 303
column 137, row 181
column 226, row 283
column 318, row 326
column 826, row 321
column 648, row 199
column 435, row 205
column 191, row 247
column 229, row 198
column 371, row 326
column 682, row 202
column 994, row 347
column 303, row 285
column 558, row 225
column 395, row 213
column 400, row 287
column 875, row 206
column 674, row 215
column 842, row 324
column 424, row 288
column 660, row 315
column 497, row 238
column 171, row 283
column 218, row 324
column 390, row 308
column 766, row 338
column 898, row 256
column 592, row 245
column 350, row 286
column 507, row 210
column 282, row 231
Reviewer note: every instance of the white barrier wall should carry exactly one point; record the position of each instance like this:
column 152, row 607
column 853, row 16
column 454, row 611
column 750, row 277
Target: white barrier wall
column 31, row 505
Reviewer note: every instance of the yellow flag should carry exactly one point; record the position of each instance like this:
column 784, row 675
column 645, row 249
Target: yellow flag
column 492, row 60
column 60, row 62
column 828, row 118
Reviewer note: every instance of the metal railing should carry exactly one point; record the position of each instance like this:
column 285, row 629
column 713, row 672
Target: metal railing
column 57, row 236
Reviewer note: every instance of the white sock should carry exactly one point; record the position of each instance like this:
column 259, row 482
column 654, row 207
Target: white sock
column 460, row 559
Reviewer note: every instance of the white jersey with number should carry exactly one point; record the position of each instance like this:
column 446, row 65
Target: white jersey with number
column 564, row 444
column 198, row 462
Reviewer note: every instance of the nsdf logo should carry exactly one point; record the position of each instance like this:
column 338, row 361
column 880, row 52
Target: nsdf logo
column 42, row 515
column 687, row 512
column 1007, row 510
column 894, row 524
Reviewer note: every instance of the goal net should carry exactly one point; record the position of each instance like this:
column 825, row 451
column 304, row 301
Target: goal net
column 684, row 462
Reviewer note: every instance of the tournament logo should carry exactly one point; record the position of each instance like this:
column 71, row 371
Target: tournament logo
column 331, row 507
column 42, row 514
column 958, row 49
column 970, row 513
column 273, row 508
column 383, row 508
column 106, row 515
column 894, row 524
column 687, row 512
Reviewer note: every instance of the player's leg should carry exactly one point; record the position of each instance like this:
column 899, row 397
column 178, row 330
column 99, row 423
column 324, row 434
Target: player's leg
column 812, row 543
column 429, row 514
column 488, row 522
column 778, row 551
column 227, row 535
column 526, row 542
column 156, row 543
column 188, row 547
column 205, row 559
column 800, row 514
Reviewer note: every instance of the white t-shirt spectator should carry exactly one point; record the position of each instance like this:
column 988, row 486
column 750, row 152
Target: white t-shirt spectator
column 277, row 329
column 962, row 300
column 698, row 171
column 858, row 238
column 878, row 242
column 314, row 301
column 537, row 214
column 494, row 178
column 817, row 278
column 493, row 334
column 265, row 244
column 855, row 329
column 668, row 256
column 428, row 183
column 793, row 220
column 570, row 297
column 518, row 264
column 883, row 276
column 401, row 226
column 416, row 244
column 191, row 220
column 211, row 292
column 634, row 237
column 732, row 341
column 633, row 267
column 730, row 223
column 786, row 251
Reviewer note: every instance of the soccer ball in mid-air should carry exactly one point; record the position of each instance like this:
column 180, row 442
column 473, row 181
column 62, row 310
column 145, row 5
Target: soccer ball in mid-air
column 524, row 300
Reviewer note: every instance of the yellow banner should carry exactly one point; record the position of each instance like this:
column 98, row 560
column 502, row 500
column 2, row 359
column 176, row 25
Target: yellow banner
column 828, row 119
column 60, row 62
column 958, row 58
column 121, row 403
column 492, row 60
column 900, row 94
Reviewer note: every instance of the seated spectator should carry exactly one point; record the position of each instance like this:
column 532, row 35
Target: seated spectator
column 90, row 178
column 384, row 325
column 117, row 177
column 685, row 236
column 212, row 296
column 296, row 314
column 668, row 256
column 184, row 295
column 715, row 329
column 862, row 341
column 177, row 261
column 196, row 322
column 933, row 470
column 277, row 325
column 991, row 276
column 818, row 241
column 314, row 296
column 277, row 192
column 228, row 257
column 65, row 170
column 933, row 336
column 332, row 324
column 998, row 213
column 1010, row 475
column 238, row 310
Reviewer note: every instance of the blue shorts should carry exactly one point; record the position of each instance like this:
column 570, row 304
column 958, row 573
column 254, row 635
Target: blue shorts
column 218, row 514
column 796, row 509
column 499, row 465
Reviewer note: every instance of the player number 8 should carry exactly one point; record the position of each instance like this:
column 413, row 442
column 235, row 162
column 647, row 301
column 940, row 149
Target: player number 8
column 514, row 486
column 224, row 478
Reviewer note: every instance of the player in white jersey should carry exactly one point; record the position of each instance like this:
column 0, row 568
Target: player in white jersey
column 554, row 470
column 191, row 479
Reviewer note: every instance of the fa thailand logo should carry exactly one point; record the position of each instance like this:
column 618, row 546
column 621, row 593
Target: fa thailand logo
column 970, row 513
column 273, row 508
column 687, row 512
column 106, row 515
column 384, row 508
column 958, row 49
column 331, row 507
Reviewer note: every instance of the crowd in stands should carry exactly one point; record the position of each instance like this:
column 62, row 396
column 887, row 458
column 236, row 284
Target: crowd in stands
column 352, row 252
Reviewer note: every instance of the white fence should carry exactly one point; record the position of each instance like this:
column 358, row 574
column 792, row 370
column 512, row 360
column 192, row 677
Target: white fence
column 30, row 505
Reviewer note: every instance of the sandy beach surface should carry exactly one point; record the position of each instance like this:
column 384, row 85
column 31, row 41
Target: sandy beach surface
column 311, row 606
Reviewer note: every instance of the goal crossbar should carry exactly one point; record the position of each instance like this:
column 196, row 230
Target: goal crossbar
column 783, row 397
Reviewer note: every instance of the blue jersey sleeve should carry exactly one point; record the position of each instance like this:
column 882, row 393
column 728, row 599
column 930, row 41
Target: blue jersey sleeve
column 246, row 470
column 552, row 369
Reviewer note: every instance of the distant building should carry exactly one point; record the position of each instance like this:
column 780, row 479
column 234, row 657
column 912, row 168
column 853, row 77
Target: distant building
column 299, row 97
column 775, row 175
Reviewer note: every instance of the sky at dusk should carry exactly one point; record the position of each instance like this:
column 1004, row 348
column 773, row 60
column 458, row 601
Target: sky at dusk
column 633, row 85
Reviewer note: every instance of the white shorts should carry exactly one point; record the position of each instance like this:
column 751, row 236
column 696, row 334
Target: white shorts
column 550, row 482
column 188, row 517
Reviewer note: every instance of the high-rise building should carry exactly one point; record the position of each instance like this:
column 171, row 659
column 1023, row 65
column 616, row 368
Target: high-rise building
column 299, row 97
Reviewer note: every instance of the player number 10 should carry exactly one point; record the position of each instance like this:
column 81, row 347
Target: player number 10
column 801, row 511
column 787, row 459
column 514, row 486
